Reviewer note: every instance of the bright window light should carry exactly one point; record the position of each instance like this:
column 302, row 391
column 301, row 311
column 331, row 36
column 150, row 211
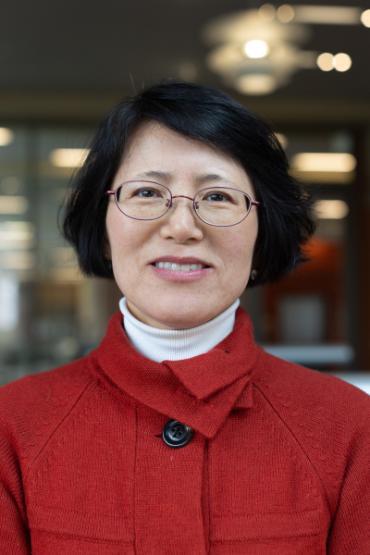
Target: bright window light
column 11, row 204
column 21, row 260
column 256, row 48
column 9, row 302
column 68, row 157
column 331, row 209
column 6, row 136
column 15, row 232
column 336, row 162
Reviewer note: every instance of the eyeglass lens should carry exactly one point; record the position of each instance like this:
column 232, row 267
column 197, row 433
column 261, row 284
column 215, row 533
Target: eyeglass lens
column 221, row 206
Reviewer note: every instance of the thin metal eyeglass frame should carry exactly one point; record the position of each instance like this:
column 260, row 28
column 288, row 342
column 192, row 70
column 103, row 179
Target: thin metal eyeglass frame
column 115, row 193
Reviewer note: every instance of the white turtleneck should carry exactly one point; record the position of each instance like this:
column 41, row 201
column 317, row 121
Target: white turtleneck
column 162, row 344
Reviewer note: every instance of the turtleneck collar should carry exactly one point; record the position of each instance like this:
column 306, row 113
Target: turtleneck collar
column 166, row 344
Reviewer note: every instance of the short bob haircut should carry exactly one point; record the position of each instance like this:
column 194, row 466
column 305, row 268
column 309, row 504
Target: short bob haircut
column 210, row 116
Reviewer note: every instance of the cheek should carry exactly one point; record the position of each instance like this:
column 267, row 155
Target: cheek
column 240, row 247
column 119, row 235
column 239, row 250
column 123, row 257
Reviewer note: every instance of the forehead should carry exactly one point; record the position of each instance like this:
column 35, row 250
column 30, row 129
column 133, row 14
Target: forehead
column 156, row 148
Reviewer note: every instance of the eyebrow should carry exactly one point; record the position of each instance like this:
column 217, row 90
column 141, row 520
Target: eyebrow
column 206, row 178
column 155, row 174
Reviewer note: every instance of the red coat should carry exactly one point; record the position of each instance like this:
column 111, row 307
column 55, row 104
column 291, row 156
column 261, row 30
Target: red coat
column 279, row 462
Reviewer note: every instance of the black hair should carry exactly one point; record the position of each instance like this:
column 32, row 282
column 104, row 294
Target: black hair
column 210, row 116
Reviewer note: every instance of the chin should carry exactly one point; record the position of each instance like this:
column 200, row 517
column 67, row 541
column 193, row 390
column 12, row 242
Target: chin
column 171, row 320
column 170, row 317
column 185, row 321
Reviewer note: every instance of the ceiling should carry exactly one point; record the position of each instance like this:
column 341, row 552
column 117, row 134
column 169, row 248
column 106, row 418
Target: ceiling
column 61, row 59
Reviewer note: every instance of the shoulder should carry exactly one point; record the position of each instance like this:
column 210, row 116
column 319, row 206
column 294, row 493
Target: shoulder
column 33, row 406
column 326, row 418
column 37, row 387
column 310, row 389
column 320, row 409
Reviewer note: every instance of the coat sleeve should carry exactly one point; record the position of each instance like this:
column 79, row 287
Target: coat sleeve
column 14, row 535
column 350, row 532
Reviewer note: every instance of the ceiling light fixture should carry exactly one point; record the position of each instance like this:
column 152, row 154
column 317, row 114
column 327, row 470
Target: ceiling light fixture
column 365, row 18
column 342, row 61
column 267, row 12
column 256, row 84
column 285, row 13
column 327, row 15
column 325, row 61
column 256, row 48
column 257, row 51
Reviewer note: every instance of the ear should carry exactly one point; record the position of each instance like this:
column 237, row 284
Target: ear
column 253, row 274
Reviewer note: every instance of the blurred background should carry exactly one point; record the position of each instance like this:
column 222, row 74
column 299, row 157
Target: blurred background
column 303, row 66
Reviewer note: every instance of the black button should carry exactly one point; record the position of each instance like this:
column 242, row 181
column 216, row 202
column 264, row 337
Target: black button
column 176, row 434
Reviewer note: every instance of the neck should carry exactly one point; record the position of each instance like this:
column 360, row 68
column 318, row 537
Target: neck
column 163, row 344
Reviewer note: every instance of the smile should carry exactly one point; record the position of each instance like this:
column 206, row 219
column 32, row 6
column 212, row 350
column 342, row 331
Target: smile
column 172, row 266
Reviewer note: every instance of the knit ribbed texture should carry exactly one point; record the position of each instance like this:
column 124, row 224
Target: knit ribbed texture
column 163, row 344
column 279, row 462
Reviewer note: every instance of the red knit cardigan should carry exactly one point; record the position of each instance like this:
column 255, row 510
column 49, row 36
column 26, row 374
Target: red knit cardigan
column 279, row 462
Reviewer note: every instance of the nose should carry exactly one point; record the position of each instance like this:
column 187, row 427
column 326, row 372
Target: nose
column 180, row 223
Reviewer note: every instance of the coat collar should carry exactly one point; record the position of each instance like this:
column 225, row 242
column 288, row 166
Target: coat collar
column 200, row 391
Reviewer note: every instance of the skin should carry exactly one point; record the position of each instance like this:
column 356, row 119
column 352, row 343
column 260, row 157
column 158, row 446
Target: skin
column 133, row 244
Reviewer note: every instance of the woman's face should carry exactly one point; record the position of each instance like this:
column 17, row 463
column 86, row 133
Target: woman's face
column 167, row 298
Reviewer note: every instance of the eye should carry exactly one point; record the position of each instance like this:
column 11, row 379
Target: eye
column 216, row 196
column 142, row 190
column 147, row 192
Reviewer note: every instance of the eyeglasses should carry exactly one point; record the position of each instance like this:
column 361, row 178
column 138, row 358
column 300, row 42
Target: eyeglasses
column 148, row 200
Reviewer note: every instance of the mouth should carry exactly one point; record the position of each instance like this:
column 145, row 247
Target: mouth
column 175, row 264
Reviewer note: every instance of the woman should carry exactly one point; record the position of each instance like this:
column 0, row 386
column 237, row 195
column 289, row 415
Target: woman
column 178, row 434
